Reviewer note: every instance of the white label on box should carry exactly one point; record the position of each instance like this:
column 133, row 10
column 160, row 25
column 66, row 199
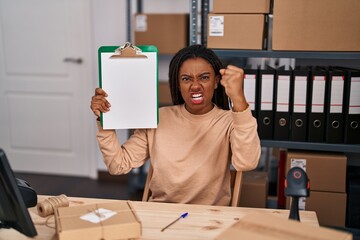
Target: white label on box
column 301, row 163
column 98, row 215
column 216, row 26
column 141, row 23
column 296, row 162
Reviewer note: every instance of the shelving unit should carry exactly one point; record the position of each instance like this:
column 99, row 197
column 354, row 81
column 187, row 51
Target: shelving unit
column 225, row 53
column 353, row 148
column 287, row 54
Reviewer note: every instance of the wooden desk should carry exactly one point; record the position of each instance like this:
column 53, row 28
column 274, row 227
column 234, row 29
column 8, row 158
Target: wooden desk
column 203, row 222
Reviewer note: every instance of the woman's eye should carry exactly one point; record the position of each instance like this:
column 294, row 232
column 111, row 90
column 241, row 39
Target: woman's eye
column 205, row 78
column 185, row 79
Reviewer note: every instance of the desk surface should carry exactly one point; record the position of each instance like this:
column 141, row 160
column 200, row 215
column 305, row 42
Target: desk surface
column 203, row 222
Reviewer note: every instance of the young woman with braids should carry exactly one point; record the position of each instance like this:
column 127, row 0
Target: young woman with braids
column 196, row 139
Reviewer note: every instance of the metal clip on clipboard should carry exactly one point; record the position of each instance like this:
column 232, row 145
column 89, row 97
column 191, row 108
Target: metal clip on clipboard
column 128, row 51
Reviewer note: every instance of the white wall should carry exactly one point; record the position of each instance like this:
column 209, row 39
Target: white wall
column 109, row 21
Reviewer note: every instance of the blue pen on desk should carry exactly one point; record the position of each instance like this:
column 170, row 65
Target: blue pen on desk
column 182, row 216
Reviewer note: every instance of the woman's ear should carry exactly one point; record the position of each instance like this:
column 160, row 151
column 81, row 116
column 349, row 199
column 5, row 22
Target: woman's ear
column 217, row 80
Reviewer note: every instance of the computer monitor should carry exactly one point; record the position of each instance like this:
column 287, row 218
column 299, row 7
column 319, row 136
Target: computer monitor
column 13, row 211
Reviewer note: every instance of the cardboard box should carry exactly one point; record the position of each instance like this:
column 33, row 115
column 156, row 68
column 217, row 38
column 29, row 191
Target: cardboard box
column 168, row 32
column 271, row 227
column 254, row 189
column 115, row 220
column 326, row 171
column 316, row 25
column 330, row 207
column 241, row 6
column 233, row 31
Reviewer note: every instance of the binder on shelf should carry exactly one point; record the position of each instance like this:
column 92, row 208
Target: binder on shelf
column 251, row 76
column 129, row 75
column 299, row 104
column 334, row 132
column 352, row 107
column 266, row 103
column 316, row 118
column 282, row 83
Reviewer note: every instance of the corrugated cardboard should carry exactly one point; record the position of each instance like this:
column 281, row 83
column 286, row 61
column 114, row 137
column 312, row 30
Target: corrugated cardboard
column 316, row 25
column 241, row 6
column 236, row 31
column 254, row 189
column 326, row 171
column 270, row 227
column 168, row 32
column 330, row 207
column 123, row 225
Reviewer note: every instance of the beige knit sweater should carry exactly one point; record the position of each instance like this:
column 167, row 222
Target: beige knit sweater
column 190, row 154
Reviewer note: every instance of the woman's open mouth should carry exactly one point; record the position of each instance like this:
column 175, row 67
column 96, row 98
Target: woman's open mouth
column 197, row 98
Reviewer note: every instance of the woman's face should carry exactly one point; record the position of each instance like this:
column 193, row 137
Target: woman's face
column 197, row 82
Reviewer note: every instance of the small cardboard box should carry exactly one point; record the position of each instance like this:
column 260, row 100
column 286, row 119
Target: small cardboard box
column 241, row 6
column 330, row 207
column 326, row 171
column 316, row 25
column 232, row 31
column 271, row 227
column 168, row 32
column 115, row 220
column 254, row 189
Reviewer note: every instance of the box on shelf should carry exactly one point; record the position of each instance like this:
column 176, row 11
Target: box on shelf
column 254, row 189
column 168, row 32
column 316, row 25
column 330, row 207
column 236, row 31
column 241, row 6
column 326, row 171
column 115, row 220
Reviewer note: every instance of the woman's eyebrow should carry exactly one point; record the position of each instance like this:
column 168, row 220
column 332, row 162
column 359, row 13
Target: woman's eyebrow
column 185, row 74
column 204, row 73
column 189, row 75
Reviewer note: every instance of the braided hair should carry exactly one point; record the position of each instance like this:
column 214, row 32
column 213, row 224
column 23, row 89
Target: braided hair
column 196, row 51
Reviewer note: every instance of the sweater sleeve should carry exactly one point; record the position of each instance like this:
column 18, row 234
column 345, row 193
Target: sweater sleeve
column 245, row 142
column 121, row 159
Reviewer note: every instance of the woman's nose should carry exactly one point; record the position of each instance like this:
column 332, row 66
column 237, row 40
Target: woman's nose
column 195, row 84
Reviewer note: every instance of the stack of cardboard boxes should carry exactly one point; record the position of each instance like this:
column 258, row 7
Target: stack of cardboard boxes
column 254, row 189
column 238, row 24
column 327, row 175
column 316, row 25
column 168, row 32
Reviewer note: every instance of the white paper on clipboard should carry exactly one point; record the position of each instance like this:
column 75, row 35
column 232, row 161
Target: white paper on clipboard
column 131, row 85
